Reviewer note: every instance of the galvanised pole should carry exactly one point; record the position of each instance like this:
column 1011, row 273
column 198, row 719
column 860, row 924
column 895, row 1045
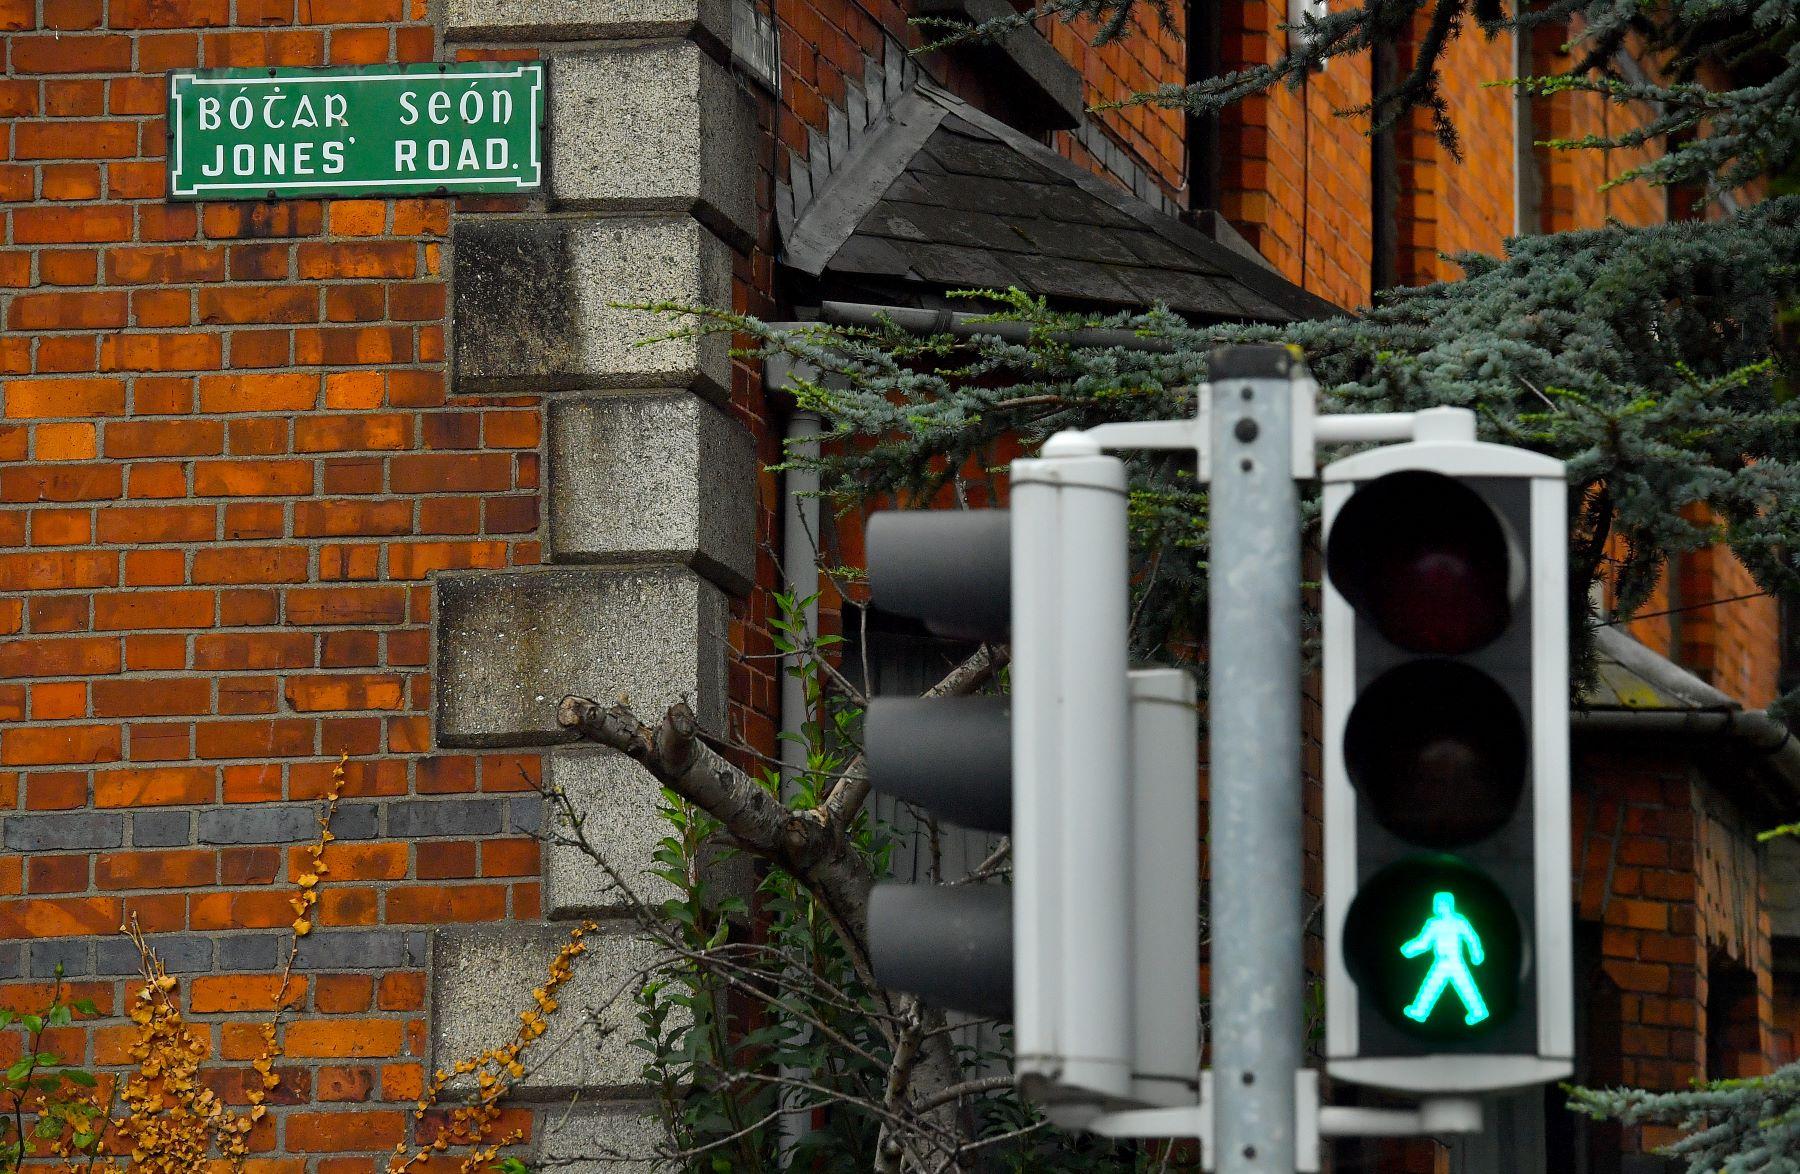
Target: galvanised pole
column 1254, row 722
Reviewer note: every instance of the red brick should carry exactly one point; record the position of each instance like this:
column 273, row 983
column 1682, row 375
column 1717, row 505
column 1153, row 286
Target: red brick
column 328, row 518
column 64, row 483
column 401, row 991
column 75, row 140
column 46, row 745
column 162, row 14
column 330, row 1039
column 433, row 904
column 68, row 311
column 252, row 478
column 76, row 656
column 261, row 262
column 54, row 790
column 160, row 307
column 155, row 870
column 351, row 433
column 258, row 393
column 61, row 527
column 343, row 1131
column 147, row 610
column 165, row 264
column 57, row 226
column 239, row 304
column 278, row 738
column 450, row 473
column 279, row 218
column 165, row 438
column 58, row 54
column 50, row 398
column 338, row 259
column 137, row 181
column 161, row 352
column 286, row 47
column 75, row 181
column 355, row 303
column 258, row 436
column 131, row 525
column 66, row 917
column 347, row 346
column 346, row 605
column 154, row 568
column 256, row 564
column 154, row 787
column 263, row 650
column 309, row 694
column 136, row 697
column 38, row 571
column 58, row 874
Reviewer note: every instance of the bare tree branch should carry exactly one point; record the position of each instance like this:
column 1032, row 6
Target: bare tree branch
column 804, row 843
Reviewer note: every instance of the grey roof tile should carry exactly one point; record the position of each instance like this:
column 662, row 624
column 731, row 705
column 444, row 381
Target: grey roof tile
column 941, row 194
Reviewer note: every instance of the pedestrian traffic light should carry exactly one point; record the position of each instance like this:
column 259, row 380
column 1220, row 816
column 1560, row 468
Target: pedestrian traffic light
column 1448, row 920
column 1091, row 950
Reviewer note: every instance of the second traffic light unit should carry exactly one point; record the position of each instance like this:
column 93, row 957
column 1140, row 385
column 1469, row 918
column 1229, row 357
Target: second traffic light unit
column 1446, row 765
column 1091, row 951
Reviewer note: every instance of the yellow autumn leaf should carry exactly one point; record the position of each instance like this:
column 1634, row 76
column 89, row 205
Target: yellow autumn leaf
column 302, row 927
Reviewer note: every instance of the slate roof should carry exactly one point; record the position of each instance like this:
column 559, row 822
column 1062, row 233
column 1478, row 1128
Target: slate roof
column 932, row 194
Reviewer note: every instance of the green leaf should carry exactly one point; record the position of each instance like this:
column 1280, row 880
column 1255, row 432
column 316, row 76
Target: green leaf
column 77, row 1076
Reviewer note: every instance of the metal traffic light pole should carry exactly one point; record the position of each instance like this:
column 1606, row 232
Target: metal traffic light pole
column 1253, row 708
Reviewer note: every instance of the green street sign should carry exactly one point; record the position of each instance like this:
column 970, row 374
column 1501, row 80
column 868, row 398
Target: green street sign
column 390, row 130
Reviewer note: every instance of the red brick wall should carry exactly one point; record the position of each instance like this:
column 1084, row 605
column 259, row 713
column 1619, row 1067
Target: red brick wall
column 1296, row 176
column 1450, row 205
column 227, row 465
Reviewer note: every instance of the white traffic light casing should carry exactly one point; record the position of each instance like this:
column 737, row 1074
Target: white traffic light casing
column 1100, row 921
column 1447, row 893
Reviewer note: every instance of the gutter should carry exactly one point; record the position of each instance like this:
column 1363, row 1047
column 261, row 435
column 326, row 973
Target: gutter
column 1710, row 713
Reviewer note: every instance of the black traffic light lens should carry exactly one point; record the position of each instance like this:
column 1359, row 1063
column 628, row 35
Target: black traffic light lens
column 1436, row 947
column 1425, row 560
column 1438, row 751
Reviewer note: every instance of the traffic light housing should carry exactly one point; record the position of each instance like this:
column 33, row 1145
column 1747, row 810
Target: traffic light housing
column 1091, row 950
column 1448, row 917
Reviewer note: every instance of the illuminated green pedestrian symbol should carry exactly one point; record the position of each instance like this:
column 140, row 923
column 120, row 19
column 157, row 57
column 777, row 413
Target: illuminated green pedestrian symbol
column 1445, row 933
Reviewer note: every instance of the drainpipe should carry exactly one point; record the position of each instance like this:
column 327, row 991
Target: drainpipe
column 800, row 574
column 799, row 535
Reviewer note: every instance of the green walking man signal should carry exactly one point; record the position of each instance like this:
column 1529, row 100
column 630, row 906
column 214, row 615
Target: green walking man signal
column 1445, row 933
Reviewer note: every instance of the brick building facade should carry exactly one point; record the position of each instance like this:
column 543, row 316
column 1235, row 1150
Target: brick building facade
column 293, row 481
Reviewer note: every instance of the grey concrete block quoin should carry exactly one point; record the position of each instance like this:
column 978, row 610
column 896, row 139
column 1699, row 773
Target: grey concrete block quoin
column 618, row 802
column 603, row 1141
column 482, row 976
column 511, row 645
column 551, row 20
column 653, row 479
column 653, row 127
column 540, row 303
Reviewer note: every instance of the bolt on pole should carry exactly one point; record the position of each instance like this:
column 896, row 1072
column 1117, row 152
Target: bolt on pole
column 1254, row 723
